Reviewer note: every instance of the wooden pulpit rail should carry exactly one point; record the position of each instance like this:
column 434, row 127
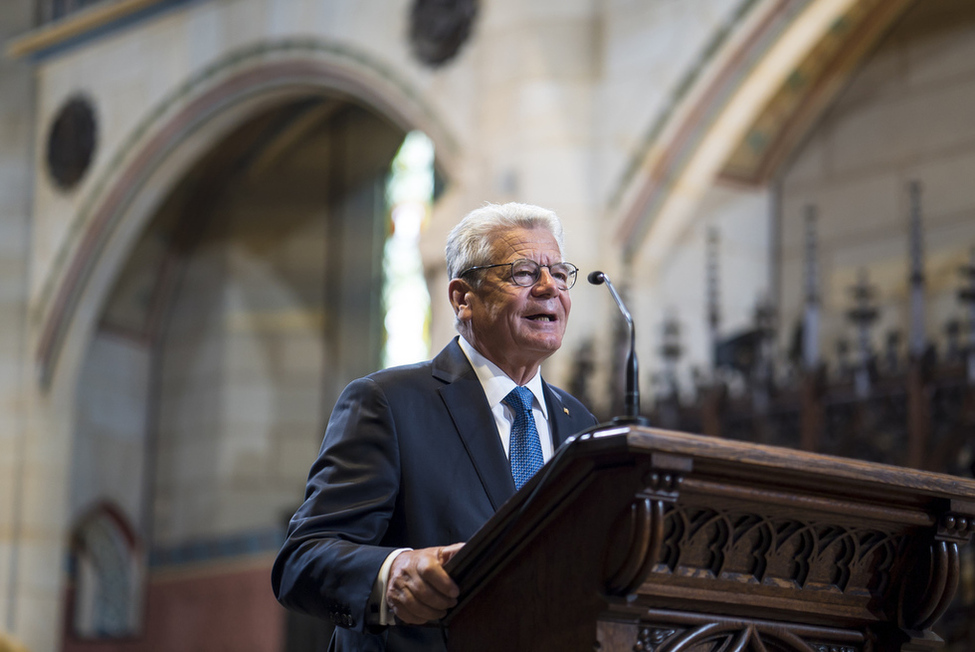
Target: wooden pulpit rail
column 628, row 523
column 767, row 464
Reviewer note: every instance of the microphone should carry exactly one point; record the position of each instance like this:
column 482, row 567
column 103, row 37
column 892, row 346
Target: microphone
column 631, row 400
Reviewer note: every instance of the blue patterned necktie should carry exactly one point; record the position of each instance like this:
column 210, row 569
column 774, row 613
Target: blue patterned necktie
column 525, row 450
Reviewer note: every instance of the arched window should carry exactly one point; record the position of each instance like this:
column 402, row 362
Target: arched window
column 107, row 568
column 406, row 301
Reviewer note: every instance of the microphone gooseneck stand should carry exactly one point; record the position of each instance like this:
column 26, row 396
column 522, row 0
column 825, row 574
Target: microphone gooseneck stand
column 631, row 400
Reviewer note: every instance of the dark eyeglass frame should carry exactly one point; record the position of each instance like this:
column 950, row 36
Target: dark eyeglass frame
column 572, row 273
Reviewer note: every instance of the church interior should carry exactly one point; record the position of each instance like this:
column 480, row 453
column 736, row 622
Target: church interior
column 214, row 214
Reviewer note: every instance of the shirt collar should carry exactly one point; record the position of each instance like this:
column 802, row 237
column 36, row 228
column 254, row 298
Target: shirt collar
column 495, row 382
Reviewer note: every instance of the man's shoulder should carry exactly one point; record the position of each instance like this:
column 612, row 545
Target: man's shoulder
column 408, row 373
column 448, row 365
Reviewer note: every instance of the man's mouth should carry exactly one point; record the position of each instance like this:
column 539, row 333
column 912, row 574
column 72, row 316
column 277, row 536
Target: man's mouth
column 542, row 317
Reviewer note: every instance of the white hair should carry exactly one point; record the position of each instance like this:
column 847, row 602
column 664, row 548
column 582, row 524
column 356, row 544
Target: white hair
column 470, row 243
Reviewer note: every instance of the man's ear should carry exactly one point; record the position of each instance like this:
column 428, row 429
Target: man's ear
column 460, row 298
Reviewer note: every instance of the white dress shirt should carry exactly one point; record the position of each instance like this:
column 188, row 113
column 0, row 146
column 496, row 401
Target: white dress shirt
column 497, row 386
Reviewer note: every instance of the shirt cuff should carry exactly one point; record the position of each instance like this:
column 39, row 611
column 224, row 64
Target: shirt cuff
column 378, row 596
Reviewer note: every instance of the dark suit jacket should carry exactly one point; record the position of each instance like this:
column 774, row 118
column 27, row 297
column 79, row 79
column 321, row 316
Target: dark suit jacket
column 411, row 458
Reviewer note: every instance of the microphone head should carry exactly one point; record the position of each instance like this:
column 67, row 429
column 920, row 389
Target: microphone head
column 597, row 278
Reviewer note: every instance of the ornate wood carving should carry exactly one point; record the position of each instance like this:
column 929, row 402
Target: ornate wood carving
column 685, row 632
column 939, row 576
column 646, row 523
column 748, row 548
column 739, row 545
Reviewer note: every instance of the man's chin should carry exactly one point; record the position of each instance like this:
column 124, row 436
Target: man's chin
column 543, row 344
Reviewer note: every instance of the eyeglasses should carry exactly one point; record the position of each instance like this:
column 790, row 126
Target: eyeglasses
column 525, row 273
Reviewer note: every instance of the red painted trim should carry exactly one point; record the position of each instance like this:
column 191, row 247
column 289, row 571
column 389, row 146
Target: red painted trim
column 114, row 513
column 668, row 165
column 828, row 85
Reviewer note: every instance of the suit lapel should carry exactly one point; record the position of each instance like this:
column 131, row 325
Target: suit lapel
column 474, row 422
column 558, row 417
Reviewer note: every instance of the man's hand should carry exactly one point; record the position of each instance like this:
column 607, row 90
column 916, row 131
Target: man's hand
column 419, row 589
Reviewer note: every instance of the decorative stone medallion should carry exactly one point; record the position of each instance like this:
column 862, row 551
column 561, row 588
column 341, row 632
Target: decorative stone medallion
column 71, row 142
column 438, row 28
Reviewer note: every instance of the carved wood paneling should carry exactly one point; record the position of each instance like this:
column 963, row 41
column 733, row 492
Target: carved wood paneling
column 661, row 631
column 749, row 548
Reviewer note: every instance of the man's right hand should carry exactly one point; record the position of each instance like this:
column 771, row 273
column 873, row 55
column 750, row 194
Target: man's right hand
column 418, row 589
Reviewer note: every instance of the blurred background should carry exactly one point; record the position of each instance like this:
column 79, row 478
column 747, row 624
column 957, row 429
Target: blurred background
column 216, row 213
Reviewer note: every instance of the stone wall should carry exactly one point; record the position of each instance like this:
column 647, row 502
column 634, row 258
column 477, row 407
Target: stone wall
column 905, row 116
column 19, row 591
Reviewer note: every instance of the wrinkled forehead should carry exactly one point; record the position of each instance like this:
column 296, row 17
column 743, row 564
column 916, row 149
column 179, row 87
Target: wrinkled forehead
column 519, row 242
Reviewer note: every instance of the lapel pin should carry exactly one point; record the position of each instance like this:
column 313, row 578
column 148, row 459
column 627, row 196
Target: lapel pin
column 566, row 410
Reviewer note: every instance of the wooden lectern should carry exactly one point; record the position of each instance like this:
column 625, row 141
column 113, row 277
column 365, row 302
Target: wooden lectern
column 638, row 539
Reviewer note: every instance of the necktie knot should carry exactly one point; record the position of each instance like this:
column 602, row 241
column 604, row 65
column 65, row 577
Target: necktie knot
column 520, row 400
column 525, row 449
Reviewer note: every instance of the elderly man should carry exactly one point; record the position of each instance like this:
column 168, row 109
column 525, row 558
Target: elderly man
column 415, row 459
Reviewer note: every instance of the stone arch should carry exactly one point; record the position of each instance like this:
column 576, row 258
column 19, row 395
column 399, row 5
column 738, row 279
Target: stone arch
column 742, row 111
column 171, row 137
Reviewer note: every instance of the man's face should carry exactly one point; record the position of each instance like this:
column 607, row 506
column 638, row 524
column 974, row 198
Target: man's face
column 515, row 327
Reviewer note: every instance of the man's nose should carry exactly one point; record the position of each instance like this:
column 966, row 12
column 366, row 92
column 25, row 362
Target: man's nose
column 546, row 284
